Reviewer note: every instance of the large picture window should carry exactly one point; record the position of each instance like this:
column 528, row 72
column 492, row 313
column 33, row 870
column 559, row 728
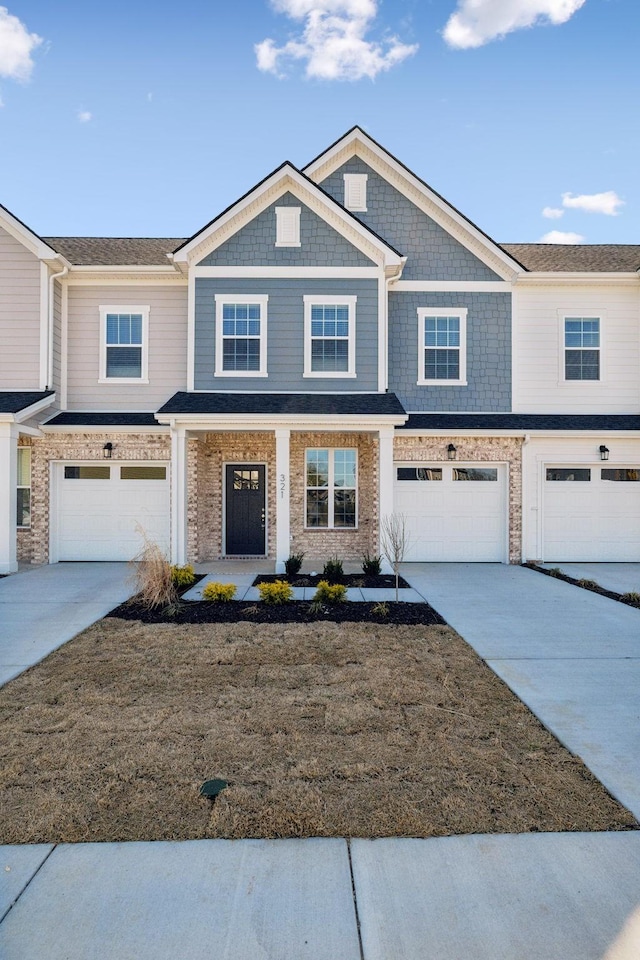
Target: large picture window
column 24, row 486
column 241, row 336
column 442, row 354
column 124, row 344
column 582, row 348
column 330, row 337
column 331, row 484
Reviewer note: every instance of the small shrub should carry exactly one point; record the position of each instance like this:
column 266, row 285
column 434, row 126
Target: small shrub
column 278, row 592
column 183, row 576
column 333, row 571
column 293, row 563
column 554, row 572
column 371, row 565
column 219, row 592
column 632, row 597
column 380, row 609
column 588, row 584
column 330, row 593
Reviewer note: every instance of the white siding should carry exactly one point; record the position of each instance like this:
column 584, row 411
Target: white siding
column 538, row 385
column 167, row 347
column 57, row 334
column 19, row 316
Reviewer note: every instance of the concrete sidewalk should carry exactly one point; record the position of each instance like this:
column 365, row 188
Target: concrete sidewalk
column 533, row 897
column 571, row 655
column 41, row 609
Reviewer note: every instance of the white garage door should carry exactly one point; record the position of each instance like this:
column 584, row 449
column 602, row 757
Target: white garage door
column 99, row 507
column 453, row 512
column 591, row 513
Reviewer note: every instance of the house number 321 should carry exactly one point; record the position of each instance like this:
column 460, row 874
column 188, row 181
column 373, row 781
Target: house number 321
column 283, row 485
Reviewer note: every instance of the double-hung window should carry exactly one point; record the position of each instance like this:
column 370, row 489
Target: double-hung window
column 442, row 346
column 241, row 336
column 124, row 335
column 331, row 484
column 330, row 336
column 582, row 348
column 24, row 486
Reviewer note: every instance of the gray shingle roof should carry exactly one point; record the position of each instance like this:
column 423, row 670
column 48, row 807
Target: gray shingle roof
column 520, row 421
column 13, row 401
column 583, row 257
column 272, row 404
column 114, row 251
column 76, row 418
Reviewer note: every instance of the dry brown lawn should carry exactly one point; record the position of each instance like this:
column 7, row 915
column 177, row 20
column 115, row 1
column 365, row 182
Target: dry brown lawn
column 321, row 730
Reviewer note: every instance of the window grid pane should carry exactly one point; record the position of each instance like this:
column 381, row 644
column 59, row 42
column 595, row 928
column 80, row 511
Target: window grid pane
column 442, row 348
column 330, row 338
column 335, row 469
column 124, row 362
column 582, row 348
column 241, row 329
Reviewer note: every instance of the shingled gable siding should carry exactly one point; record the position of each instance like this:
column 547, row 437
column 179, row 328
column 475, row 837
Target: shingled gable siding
column 78, row 447
column 19, row 316
column 285, row 334
column 427, row 449
column 488, row 353
column 432, row 253
column 254, row 244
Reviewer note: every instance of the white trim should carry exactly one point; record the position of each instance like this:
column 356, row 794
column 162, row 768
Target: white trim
column 221, row 299
column 288, row 226
column 582, row 277
column 461, row 314
column 311, row 300
column 20, row 232
column 355, row 191
column 27, row 412
column 331, row 489
column 64, row 345
column 563, row 316
column 179, row 488
column 126, row 280
column 283, row 497
column 240, row 463
column 73, row 429
column 383, row 334
column 8, row 496
column 144, row 346
column 289, row 273
column 452, row 286
column 266, row 423
column 191, row 333
column 386, row 484
column 44, row 326
column 24, row 486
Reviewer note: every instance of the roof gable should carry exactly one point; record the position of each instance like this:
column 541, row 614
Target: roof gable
column 24, row 235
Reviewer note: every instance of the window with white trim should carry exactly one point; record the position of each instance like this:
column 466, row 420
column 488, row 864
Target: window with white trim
column 442, row 346
column 124, row 336
column 24, row 487
column 288, row 226
column 581, row 348
column 330, row 336
column 331, row 487
column 241, row 336
column 355, row 192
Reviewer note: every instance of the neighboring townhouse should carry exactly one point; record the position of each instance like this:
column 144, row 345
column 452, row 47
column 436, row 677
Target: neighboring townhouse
column 338, row 345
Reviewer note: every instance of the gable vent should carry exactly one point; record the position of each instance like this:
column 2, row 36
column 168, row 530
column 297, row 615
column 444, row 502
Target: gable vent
column 288, row 226
column 355, row 191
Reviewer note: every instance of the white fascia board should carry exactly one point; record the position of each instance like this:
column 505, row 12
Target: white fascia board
column 452, row 286
column 97, row 278
column 20, row 232
column 34, row 409
column 268, row 423
column 334, row 157
column 288, row 179
column 279, row 273
column 532, row 434
column 151, row 268
column 77, row 428
column 565, row 277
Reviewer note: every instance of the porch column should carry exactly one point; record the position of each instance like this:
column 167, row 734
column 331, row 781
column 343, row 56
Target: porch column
column 283, row 494
column 8, row 497
column 178, row 495
column 385, row 484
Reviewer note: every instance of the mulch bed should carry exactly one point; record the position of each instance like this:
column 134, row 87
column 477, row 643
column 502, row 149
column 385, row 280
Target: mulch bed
column 557, row 574
column 384, row 581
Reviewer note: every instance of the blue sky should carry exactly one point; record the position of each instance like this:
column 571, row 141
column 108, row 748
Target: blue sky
column 133, row 119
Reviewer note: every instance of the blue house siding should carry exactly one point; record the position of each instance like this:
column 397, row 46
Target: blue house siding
column 285, row 334
column 254, row 244
column 488, row 353
column 432, row 253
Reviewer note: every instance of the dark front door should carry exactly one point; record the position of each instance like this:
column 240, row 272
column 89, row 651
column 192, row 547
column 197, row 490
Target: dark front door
column 245, row 510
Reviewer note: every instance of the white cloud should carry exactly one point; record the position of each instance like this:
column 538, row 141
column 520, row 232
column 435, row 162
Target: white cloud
column 606, row 203
column 552, row 213
column 557, row 236
column 477, row 22
column 16, row 47
column 84, row 116
column 332, row 41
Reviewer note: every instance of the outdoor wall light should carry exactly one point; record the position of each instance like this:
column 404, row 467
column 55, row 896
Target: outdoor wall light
column 107, row 450
column 451, row 452
column 604, row 452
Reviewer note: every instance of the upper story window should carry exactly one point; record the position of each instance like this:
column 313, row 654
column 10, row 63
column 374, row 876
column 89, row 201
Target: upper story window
column 355, row 192
column 124, row 344
column 581, row 348
column 288, row 226
column 241, row 336
column 330, row 336
column 24, row 487
column 331, row 481
column 442, row 346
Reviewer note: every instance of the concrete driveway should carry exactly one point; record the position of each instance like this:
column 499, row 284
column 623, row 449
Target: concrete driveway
column 572, row 656
column 619, row 577
column 42, row 608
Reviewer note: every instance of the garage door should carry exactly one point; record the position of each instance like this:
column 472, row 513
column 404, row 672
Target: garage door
column 98, row 508
column 591, row 513
column 453, row 512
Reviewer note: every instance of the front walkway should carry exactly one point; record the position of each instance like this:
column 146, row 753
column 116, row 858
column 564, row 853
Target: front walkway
column 571, row 655
column 42, row 608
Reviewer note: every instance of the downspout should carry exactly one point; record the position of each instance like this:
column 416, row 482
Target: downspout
column 388, row 281
column 52, row 278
